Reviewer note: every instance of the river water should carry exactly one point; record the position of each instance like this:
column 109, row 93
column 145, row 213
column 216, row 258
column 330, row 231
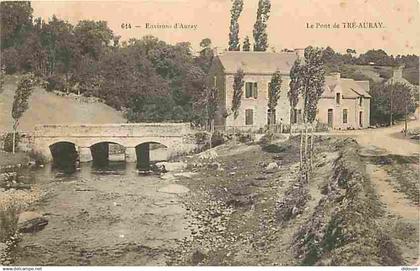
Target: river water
column 103, row 216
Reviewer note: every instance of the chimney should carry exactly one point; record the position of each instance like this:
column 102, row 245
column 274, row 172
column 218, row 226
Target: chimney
column 300, row 52
column 336, row 76
column 397, row 72
column 215, row 53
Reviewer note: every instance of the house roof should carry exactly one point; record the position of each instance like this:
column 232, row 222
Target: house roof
column 349, row 87
column 257, row 62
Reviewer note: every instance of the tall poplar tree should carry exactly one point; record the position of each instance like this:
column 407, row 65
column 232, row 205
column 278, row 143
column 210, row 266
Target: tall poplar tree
column 260, row 26
column 238, row 84
column 274, row 95
column 235, row 11
column 247, row 44
column 20, row 102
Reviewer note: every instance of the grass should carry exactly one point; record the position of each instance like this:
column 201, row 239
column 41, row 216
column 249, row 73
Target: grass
column 7, row 158
column 338, row 232
column 11, row 204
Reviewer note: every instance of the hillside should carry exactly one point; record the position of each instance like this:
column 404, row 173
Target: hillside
column 49, row 108
column 380, row 73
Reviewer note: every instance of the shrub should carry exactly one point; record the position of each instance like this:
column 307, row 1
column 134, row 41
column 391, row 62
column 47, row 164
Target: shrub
column 8, row 221
column 38, row 157
column 201, row 138
column 55, row 82
column 8, row 142
column 274, row 148
column 217, row 138
column 245, row 137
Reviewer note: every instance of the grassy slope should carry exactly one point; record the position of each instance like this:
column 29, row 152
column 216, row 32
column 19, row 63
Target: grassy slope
column 375, row 72
column 48, row 108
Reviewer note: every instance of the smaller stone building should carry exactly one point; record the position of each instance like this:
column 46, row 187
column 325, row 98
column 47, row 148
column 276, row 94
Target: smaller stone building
column 344, row 104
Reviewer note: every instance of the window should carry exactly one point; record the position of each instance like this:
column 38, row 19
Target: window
column 251, row 90
column 297, row 116
column 269, row 116
column 344, row 115
column 215, row 81
column 337, row 98
column 249, row 117
column 360, row 101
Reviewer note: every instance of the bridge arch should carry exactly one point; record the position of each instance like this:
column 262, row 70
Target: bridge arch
column 64, row 154
column 104, row 151
column 150, row 151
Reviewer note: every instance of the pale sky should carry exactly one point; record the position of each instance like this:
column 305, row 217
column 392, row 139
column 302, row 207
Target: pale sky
column 287, row 26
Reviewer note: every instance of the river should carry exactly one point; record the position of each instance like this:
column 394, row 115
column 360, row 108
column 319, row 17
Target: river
column 106, row 216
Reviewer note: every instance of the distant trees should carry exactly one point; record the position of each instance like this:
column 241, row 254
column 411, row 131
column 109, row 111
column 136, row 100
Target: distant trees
column 20, row 102
column 273, row 95
column 235, row 11
column 16, row 21
column 260, row 26
column 146, row 78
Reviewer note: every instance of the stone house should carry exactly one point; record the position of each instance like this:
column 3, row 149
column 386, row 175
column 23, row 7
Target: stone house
column 345, row 103
column 258, row 69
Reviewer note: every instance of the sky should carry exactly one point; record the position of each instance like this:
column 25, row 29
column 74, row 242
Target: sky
column 394, row 24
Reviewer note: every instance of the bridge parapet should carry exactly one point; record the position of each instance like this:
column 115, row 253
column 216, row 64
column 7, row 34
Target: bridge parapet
column 115, row 130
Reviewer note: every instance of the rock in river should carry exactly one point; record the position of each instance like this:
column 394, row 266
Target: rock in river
column 31, row 222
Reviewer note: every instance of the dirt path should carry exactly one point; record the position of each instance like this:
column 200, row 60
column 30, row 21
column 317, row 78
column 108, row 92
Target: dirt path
column 395, row 201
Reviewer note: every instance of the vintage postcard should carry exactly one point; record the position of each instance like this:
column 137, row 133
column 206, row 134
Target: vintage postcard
column 275, row 133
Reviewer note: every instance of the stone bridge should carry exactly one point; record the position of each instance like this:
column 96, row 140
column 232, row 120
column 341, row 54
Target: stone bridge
column 177, row 137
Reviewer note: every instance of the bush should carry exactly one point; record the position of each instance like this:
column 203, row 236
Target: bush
column 274, row 148
column 245, row 137
column 201, row 138
column 8, row 142
column 38, row 157
column 55, row 82
column 217, row 138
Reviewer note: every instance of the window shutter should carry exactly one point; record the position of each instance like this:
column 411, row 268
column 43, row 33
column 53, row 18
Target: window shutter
column 255, row 94
column 247, row 90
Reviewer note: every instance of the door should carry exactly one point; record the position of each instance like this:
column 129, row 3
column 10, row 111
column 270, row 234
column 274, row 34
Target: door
column 361, row 119
column 330, row 118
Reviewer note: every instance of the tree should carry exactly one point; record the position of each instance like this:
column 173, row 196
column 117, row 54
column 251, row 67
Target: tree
column 2, row 78
column 296, row 90
column 93, row 37
column 212, row 103
column 16, row 21
column 307, row 80
column 247, row 44
column 20, row 102
column 235, row 11
column 315, row 80
column 274, row 95
column 400, row 100
column 260, row 26
column 205, row 56
column 238, row 84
